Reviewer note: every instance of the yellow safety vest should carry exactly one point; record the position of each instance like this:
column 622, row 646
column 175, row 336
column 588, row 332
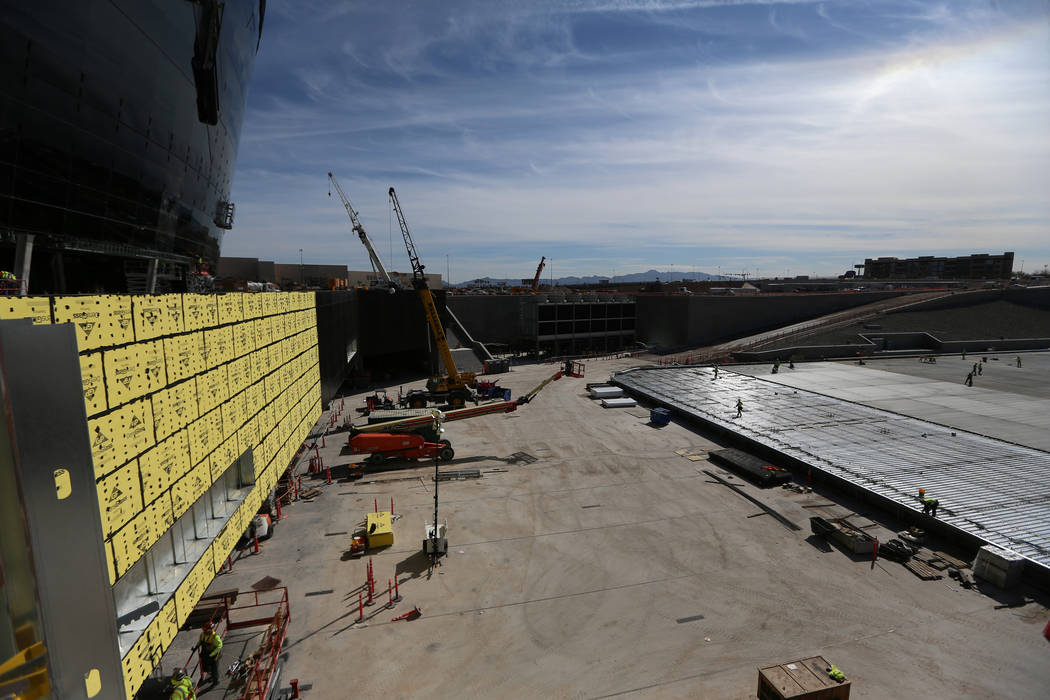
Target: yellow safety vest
column 183, row 690
column 211, row 643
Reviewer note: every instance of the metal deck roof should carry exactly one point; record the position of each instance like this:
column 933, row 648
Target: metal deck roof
column 996, row 491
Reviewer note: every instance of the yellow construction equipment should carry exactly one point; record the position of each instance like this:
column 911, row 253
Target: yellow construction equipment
column 456, row 388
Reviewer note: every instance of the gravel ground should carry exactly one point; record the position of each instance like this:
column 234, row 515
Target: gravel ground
column 989, row 320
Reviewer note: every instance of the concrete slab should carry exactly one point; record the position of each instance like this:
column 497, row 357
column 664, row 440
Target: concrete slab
column 567, row 577
column 1008, row 402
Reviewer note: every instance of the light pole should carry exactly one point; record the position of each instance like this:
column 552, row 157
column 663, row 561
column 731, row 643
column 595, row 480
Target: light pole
column 301, row 284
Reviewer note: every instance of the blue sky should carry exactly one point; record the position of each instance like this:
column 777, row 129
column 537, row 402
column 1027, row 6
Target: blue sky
column 622, row 135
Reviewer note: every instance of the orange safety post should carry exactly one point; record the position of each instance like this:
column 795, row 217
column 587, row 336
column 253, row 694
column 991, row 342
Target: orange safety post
column 376, row 502
column 295, row 688
column 328, row 474
column 410, row 615
column 255, row 544
column 278, row 507
column 391, row 505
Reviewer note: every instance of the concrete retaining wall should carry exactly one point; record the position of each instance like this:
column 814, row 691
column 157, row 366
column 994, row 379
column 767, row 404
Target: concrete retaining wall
column 678, row 321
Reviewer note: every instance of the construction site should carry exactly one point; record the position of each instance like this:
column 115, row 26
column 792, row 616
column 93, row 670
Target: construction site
column 592, row 553
column 782, row 489
column 808, row 502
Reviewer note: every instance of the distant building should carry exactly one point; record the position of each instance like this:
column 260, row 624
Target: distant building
column 368, row 278
column 977, row 266
column 287, row 275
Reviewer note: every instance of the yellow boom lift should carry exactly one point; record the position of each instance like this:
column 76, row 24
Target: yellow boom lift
column 454, row 388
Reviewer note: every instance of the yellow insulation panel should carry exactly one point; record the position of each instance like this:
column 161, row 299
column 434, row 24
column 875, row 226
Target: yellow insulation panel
column 231, row 308
column 193, row 587
column 218, row 345
column 221, row 459
column 212, row 388
column 149, row 317
column 119, row 497
column 137, row 427
column 201, row 439
column 121, row 320
column 260, row 360
column 240, row 374
column 107, row 447
column 125, row 379
column 132, row 541
column 163, row 465
column 263, row 331
column 234, row 413
column 134, row 370
column 174, row 408
column 109, row 563
column 139, row 663
column 251, row 306
column 184, row 356
column 164, row 626
column 36, row 308
column 89, row 316
column 94, row 383
column 199, row 311
column 243, row 338
column 160, row 511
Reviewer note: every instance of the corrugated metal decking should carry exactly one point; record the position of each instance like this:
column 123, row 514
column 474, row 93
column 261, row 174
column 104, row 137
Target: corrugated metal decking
column 996, row 491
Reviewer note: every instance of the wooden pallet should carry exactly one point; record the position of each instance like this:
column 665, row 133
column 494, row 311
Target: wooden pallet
column 922, row 570
column 957, row 563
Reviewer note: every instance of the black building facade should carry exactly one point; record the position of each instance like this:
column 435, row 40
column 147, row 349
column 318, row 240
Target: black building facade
column 119, row 125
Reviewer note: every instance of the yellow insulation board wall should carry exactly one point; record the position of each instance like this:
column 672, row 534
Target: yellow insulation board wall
column 176, row 388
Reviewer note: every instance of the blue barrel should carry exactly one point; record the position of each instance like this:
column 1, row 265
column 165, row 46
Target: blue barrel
column 660, row 416
column 506, row 394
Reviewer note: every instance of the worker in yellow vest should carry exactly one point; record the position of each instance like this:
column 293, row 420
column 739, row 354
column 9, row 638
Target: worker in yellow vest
column 181, row 686
column 210, row 646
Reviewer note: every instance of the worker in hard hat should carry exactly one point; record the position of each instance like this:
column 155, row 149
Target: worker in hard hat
column 181, row 686
column 210, row 646
column 929, row 506
column 739, row 408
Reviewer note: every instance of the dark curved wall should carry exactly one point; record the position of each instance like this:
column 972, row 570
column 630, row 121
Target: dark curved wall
column 100, row 137
column 678, row 321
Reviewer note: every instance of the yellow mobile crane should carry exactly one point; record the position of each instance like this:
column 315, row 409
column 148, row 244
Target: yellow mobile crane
column 455, row 388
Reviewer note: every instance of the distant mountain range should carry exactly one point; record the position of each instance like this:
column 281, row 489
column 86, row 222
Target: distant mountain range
column 649, row 276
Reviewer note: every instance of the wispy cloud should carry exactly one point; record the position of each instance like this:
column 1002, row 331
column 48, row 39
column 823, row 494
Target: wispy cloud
column 711, row 132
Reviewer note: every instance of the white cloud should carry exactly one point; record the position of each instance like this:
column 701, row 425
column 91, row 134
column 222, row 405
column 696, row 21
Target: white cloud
column 933, row 146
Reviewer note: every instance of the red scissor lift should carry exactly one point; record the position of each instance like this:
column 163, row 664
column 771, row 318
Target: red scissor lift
column 267, row 608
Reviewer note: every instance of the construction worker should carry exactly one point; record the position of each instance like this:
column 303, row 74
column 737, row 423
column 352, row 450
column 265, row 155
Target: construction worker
column 716, row 371
column 835, row 673
column 739, row 408
column 776, row 366
column 210, row 646
column 929, row 506
column 1018, row 360
column 181, row 686
column 969, row 379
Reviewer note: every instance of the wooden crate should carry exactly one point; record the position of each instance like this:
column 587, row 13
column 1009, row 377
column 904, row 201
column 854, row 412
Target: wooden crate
column 806, row 679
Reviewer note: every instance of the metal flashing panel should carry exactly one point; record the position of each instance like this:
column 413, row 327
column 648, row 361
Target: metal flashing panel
column 992, row 490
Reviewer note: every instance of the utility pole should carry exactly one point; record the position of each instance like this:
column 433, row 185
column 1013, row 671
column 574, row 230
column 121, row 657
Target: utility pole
column 448, row 272
column 301, row 281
